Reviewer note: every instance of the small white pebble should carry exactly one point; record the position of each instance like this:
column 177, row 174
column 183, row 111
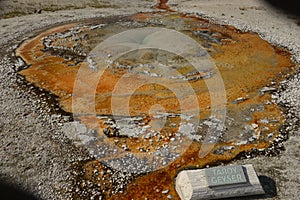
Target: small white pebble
column 165, row 191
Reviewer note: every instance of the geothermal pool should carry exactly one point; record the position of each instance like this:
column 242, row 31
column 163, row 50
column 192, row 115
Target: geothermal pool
column 139, row 154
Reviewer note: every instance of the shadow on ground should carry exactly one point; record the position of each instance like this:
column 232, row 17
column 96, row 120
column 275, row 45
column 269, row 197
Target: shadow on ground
column 288, row 6
column 269, row 187
column 11, row 192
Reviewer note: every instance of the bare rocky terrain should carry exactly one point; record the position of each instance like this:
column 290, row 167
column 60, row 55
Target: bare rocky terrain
column 35, row 152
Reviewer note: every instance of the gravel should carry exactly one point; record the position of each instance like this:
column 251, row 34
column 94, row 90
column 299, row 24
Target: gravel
column 34, row 154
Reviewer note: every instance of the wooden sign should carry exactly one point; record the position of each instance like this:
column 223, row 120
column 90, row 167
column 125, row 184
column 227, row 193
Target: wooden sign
column 218, row 182
column 229, row 175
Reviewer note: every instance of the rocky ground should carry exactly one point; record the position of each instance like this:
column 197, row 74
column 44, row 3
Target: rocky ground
column 36, row 155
